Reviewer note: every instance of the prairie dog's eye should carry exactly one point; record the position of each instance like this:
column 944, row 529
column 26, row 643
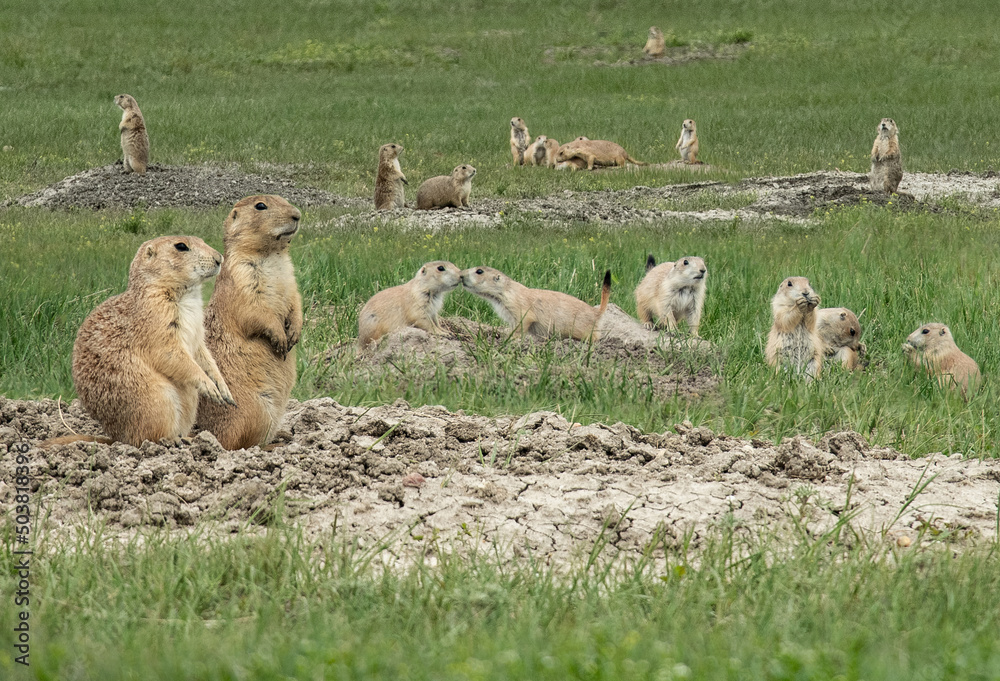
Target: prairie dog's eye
column 853, row 332
column 181, row 246
column 925, row 331
column 440, row 268
column 685, row 262
column 261, row 205
column 479, row 271
column 789, row 284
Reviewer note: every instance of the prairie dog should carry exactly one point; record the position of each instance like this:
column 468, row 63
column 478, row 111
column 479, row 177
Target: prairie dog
column 519, row 139
column 933, row 347
column 656, row 46
column 135, row 141
column 840, row 332
column 551, row 147
column 447, row 190
column 534, row 155
column 672, row 292
column 389, row 179
column 596, row 152
column 793, row 341
column 140, row 360
column 539, row 312
column 254, row 321
column 417, row 303
column 688, row 142
column 887, row 163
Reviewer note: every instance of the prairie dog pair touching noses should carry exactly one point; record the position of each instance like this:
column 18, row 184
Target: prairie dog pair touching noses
column 933, row 347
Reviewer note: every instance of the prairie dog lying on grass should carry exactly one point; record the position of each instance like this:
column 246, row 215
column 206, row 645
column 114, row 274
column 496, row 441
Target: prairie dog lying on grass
column 793, row 341
column 596, row 153
column 672, row 292
column 416, row 303
column 933, row 347
column 540, row 312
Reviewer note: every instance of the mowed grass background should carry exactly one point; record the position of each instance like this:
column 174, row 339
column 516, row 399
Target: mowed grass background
column 314, row 88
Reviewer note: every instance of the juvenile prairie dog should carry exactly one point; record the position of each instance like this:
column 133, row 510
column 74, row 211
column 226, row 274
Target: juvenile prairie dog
column 933, row 347
column 840, row 332
column 417, row 303
column 519, row 139
column 389, row 179
column 135, row 141
column 672, row 292
column 254, row 321
column 537, row 153
column 539, row 312
column 551, row 148
column 140, row 360
column 688, row 142
column 596, row 152
column 793, row 341
column 447, row 190
column 887, row 163
column 656, row 46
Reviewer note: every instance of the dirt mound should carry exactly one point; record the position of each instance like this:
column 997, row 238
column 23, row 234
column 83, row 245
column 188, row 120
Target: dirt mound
column 171, row 186
column 536, row 483
column 473, row 351
column 625, row 55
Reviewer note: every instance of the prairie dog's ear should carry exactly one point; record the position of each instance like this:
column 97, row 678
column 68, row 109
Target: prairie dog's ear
column 150, row 252
column 843, row 316
column 943, row 331
column 496, row 277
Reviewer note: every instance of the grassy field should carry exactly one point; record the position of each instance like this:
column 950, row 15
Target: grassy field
column 794, row 608
column 311, row 91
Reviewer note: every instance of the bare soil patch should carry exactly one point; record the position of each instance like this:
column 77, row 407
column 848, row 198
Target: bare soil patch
column 418, row 477
column 474, row 352
column 171, row 186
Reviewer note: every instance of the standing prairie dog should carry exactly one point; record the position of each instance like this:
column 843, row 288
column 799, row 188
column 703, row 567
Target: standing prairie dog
column 596, row 152
column 534, row 155
column 140, row 360
column 933, row 347
column 254, row 321
column 417, row 303
column 672, row 292
column 389, row 179
column 519, row 139
column 536, row 311
column 793, row 341
column 551, row 147
column 887, row 162
column 688, row 142
column 447, row 190
column 840, row 332
column 656, row 46
column 135, row 141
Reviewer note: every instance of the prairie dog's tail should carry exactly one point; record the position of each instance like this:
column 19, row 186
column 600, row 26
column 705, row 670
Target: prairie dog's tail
column 70, row 439
column 632, row 160
column 650, row 262
column 605, row 294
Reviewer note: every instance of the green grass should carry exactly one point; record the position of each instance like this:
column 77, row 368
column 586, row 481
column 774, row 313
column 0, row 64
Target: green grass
column 738, row 607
